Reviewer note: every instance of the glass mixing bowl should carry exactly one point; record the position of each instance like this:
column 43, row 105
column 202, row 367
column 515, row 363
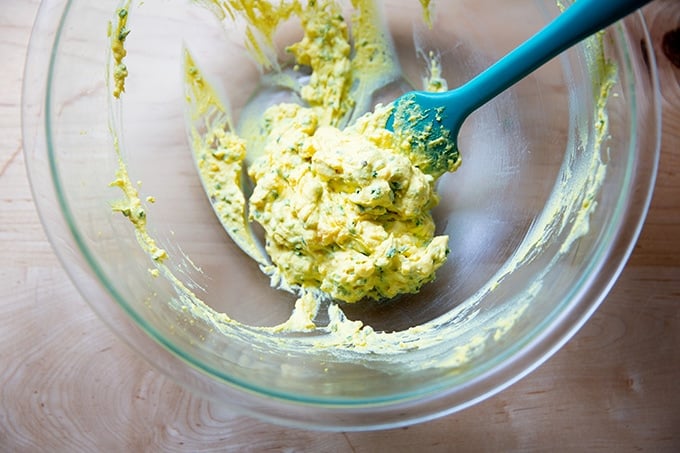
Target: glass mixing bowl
column 556, row 180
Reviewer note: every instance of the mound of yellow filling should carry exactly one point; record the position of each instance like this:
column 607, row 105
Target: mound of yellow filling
column 343, row 210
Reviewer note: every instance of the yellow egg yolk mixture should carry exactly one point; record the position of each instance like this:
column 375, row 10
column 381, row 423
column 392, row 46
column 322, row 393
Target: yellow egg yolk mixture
column 344, row 209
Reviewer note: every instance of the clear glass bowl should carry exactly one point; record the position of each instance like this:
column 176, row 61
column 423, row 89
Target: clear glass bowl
column 541, row 216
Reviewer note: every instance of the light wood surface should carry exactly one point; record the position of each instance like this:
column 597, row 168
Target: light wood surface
column 68, row 384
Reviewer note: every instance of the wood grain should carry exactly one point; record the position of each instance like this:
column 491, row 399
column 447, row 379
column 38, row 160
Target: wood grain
column 68, row 384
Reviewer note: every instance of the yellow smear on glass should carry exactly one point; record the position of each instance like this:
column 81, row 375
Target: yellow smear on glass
column 427, row 12
column 262, row 18
column 131, row 207
column 118, row 36
column 219, row 155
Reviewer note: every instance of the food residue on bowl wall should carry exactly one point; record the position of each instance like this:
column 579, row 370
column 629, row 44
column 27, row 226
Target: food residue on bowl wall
column 118, row 34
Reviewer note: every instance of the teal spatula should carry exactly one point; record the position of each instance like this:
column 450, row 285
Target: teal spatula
column 431, row 121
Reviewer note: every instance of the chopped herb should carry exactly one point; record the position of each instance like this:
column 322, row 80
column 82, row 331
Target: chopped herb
column 124, row 32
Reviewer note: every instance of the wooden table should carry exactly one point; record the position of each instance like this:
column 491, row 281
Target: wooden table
column 68, row 384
